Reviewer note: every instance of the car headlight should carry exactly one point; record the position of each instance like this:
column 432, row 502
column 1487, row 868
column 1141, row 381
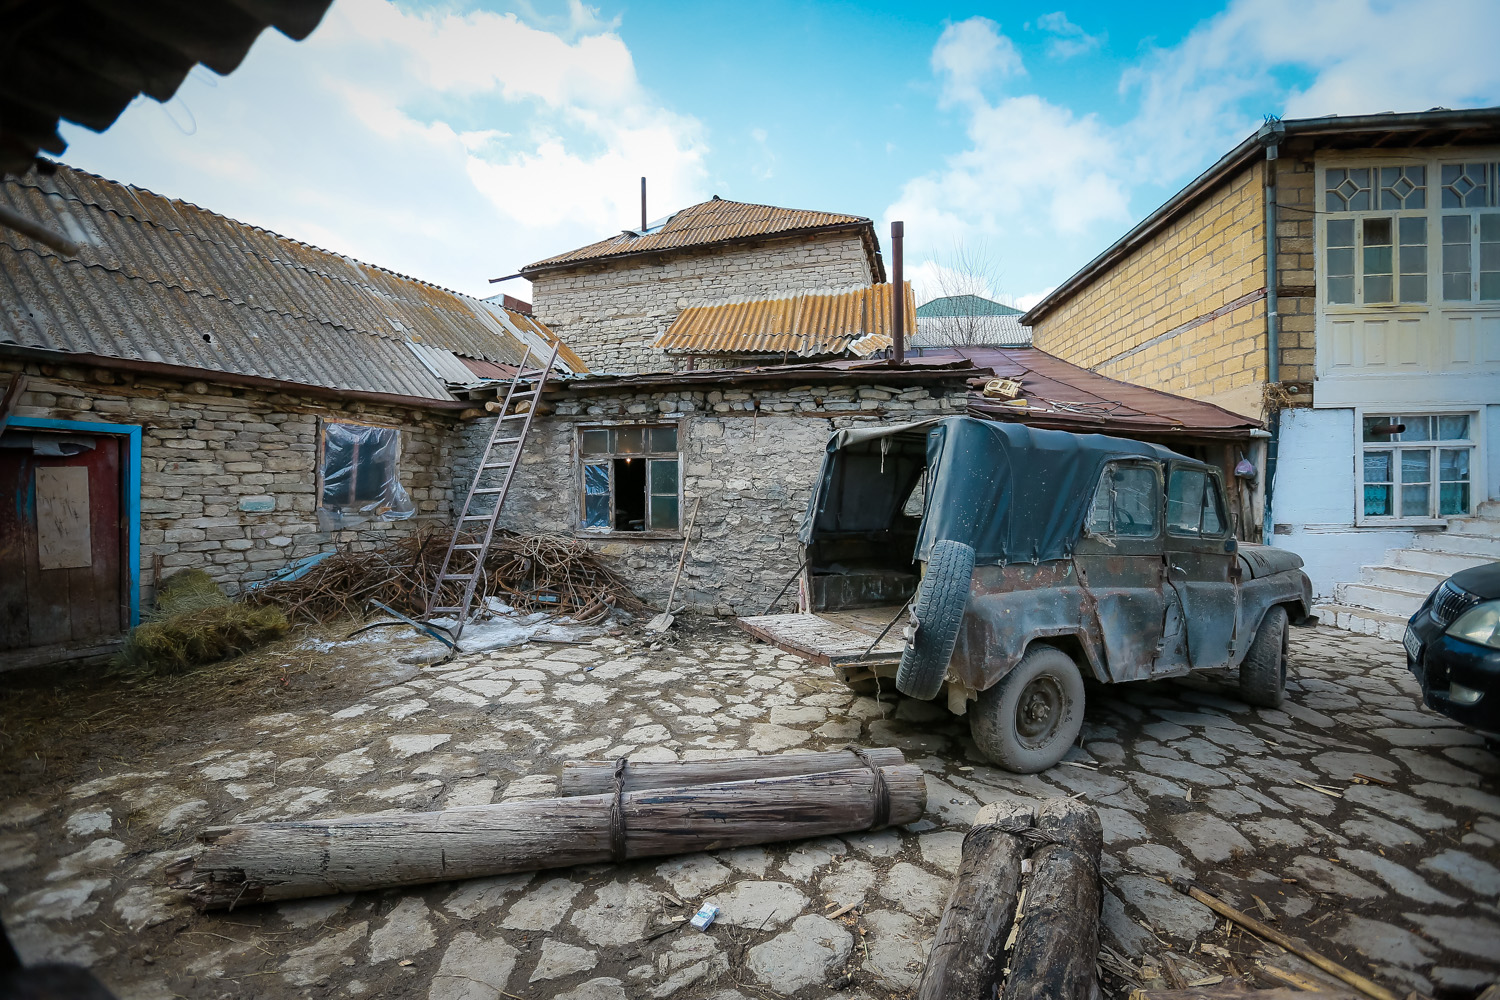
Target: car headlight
column 1479, row 624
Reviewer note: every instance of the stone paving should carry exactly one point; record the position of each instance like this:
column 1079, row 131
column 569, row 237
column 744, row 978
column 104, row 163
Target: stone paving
column 1398, row 877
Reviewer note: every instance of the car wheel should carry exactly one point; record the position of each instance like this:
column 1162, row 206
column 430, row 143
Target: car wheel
column 1027, row 722
column 1263, row 671
column 940, row 611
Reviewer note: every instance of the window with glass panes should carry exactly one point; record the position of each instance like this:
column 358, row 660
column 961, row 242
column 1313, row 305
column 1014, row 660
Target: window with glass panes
column 1417, row 465
column 1384, row 227
column 629, row 478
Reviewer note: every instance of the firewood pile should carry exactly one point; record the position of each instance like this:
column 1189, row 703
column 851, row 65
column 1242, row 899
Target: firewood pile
column 527, row 572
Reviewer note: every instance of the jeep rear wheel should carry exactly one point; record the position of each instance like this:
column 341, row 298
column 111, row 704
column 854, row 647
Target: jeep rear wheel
column 1263, row 671
column 1027, row 721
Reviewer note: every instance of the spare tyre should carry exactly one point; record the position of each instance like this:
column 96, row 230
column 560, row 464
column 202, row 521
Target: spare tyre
column 939, row 612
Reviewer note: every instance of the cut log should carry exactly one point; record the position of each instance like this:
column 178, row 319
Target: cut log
column 966, row 961
column 269, row 861
column 588, row 777
column 1057, row 943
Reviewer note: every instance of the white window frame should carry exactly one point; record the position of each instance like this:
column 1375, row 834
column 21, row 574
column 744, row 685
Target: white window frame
column 1478, row 488
column 1434, row 212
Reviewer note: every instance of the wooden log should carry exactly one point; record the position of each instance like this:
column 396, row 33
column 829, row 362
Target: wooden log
column 268, row 861
column 967, row 957
column 588, row 777
column 1057, row 945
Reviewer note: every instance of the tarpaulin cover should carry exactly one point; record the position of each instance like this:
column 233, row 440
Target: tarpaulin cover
column 1013, row 492
column 360, row 468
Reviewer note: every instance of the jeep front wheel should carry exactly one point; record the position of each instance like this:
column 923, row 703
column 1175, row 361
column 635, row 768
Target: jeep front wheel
column 1027, row 721
column 1263, row 671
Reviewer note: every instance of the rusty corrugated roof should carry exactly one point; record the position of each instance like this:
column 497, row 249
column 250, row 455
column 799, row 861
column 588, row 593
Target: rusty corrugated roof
column 164, row 281
column 855, row 321
column 1066, row 396
column 716, row 221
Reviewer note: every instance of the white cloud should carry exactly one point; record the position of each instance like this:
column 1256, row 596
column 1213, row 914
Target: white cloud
column 970, row 54
column 480, row 141
column 1040, row 175
column 1068, row 39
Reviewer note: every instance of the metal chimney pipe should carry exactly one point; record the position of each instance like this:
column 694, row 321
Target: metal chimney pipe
column 643, row 204
column 898, row 296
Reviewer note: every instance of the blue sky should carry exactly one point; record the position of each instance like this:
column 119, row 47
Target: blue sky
column 459, row 141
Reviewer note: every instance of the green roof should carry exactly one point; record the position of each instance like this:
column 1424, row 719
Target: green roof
column 963, row 305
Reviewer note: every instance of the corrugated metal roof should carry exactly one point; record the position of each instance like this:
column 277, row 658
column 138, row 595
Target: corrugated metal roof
column 715, row 221
column 86, row 61
column 964, row 305
column 1065, row 396
column 854, row 321
column 997, row 330
column 165, row 281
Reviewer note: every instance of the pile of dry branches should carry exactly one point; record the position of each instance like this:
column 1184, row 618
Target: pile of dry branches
column 529, row 572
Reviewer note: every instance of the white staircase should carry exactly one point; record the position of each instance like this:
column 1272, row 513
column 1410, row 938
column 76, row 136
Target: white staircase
column 1388, row 594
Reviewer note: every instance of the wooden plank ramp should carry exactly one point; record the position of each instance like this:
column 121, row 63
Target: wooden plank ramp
column 831, row 642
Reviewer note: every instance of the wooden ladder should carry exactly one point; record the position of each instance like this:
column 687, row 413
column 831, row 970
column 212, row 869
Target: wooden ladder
column 492, row 478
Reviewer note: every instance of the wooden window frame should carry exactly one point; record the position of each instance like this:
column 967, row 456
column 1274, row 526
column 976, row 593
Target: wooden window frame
column 580, row 528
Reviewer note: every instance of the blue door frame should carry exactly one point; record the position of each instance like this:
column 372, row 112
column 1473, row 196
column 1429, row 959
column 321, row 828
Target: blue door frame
column 132, row 489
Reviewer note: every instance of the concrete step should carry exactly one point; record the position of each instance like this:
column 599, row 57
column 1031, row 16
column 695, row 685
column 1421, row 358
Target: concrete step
column 1479, row 546
column 1433, row 560
column 1413, row 581
column 1480, row 527
column 1361, row 620
column 1383, row 599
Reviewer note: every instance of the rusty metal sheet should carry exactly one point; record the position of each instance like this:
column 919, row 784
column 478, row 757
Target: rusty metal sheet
column 855, row 321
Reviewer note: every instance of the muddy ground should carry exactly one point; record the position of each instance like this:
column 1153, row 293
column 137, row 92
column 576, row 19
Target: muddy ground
column 105, row 779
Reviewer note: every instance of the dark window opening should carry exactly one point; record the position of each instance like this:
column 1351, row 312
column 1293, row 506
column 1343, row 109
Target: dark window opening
column 630, row 494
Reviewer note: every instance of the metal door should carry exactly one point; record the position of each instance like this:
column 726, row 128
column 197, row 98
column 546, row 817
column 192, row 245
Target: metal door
column 1201, row 563
column 61, row 539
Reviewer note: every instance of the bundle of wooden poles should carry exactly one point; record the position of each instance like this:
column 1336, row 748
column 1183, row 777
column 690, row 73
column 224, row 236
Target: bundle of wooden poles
column 607, row 811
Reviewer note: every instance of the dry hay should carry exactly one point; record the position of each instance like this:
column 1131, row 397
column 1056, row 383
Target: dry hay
column 528, row 572
column 193, row 623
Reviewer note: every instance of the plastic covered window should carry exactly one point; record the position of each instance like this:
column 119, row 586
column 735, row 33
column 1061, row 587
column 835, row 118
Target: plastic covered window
column 359, row 474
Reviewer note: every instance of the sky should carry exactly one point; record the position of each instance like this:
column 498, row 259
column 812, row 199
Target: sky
column 459, row 141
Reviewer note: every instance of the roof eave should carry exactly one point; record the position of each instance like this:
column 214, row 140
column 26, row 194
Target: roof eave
column 865, row 227
column 1239, row 157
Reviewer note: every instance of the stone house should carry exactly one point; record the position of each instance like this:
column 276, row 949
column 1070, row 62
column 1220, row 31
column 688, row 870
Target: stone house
column 612, row 300
column 189, row 390
column 1338, row 276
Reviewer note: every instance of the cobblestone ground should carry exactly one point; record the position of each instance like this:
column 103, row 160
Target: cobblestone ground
column 1397, row 877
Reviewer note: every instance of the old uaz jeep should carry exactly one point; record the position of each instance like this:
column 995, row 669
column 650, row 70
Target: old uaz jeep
column 1003, row 564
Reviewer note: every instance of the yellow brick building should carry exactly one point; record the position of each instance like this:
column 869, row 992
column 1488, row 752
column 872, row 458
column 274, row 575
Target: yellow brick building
column 1340, row 279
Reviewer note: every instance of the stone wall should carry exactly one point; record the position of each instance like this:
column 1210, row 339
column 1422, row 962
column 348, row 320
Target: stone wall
column 1184, row 311
column 208, row 449
column 610, row 314
column 752, row 470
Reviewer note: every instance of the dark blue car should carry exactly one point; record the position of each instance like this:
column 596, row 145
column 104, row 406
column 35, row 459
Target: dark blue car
column 1453, row 648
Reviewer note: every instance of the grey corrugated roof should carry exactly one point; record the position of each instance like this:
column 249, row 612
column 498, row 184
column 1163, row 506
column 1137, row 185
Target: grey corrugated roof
column 156, row 275
column 971, row 331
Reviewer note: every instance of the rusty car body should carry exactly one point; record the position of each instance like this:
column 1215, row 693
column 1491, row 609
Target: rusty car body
column 1117, row 554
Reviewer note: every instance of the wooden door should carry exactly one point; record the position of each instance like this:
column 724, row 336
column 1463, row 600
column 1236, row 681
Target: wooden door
column 62, row 544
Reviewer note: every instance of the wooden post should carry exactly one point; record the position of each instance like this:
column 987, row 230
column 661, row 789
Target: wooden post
column 967, row 957
column 260, row 862
column 1057, row 946
column 587, row 777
